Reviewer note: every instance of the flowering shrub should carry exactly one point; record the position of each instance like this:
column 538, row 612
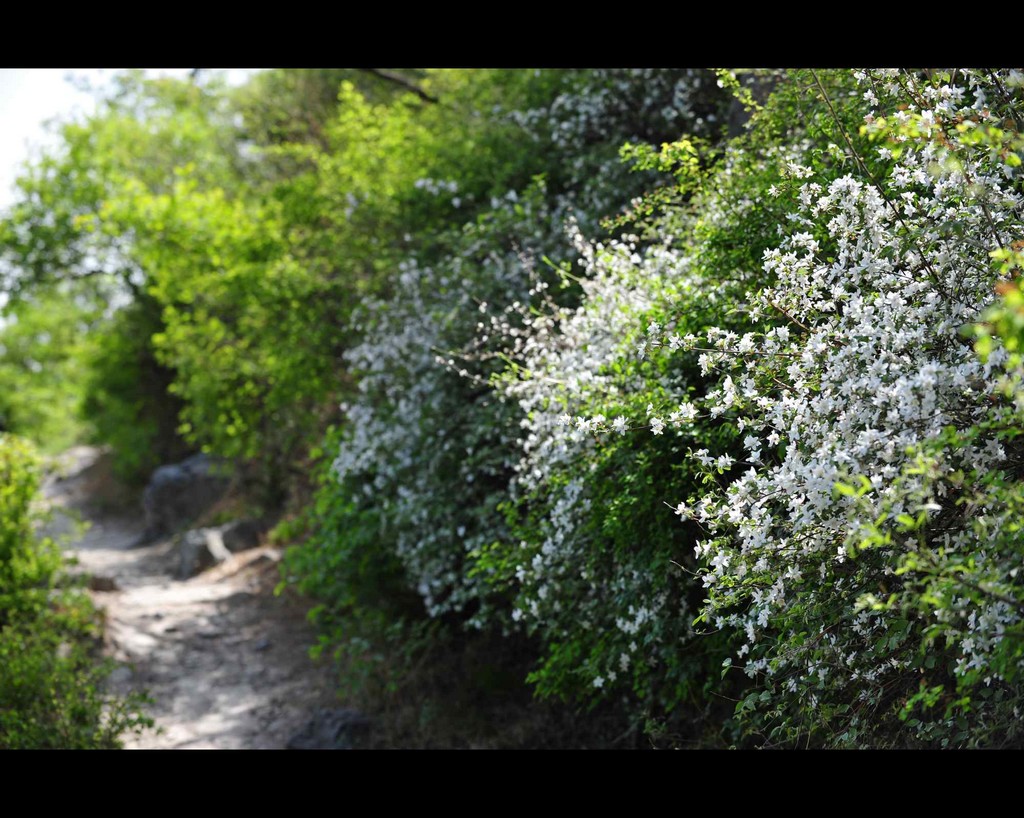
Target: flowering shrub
column 860, row 543
column 856, row 548
column 588, row 501
column 424, row 451
column 428, row 449
column 591, row 547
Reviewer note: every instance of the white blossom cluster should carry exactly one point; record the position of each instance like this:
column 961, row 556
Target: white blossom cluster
column 605, row 108
column 566, row 356
column 430, row 446
column 864, row 362
column 425, row 439
column 568, row 359
column 854, row 359
column 565, row 352
column 437, row 186
column 837, row 361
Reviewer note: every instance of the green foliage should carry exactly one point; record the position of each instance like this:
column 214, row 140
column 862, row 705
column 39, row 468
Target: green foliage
column 1004, row 322
column 236, row 232
column 339, row 560
column 245, row 261
column 43, row 347
column 51, row 679
column 64, row 236
column 368, row 622
column 942, row 593
column 28, row 567
column 126, row 394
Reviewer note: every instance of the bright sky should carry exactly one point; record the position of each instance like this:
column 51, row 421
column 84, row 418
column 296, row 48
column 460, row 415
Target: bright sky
column 30, row 96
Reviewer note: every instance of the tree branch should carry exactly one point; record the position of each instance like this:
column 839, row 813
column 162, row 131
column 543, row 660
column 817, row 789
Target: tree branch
column 398, row 79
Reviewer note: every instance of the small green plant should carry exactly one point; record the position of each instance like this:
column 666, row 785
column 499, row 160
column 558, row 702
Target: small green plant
column 51, row 676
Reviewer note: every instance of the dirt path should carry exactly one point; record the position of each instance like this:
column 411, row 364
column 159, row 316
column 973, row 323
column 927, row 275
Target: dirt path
column 223, row 659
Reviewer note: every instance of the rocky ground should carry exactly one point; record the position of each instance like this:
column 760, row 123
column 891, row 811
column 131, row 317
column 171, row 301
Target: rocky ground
column 223, row 659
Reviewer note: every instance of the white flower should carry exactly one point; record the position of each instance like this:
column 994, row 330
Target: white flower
column 685, row 413
column 619, row 425
column 657, row 425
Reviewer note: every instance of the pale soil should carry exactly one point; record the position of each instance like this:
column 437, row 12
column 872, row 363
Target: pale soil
column 224, row 660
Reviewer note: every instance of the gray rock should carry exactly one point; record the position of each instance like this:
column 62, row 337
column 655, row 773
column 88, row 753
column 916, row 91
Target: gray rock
column 102, row 583
column 337, row 728
column 241, row 535
column 177, row 494
column 200, row 549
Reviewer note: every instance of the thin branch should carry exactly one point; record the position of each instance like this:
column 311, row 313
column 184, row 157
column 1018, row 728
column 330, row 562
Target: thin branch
column 866, row 171
column 790, row 317
column 398, row 79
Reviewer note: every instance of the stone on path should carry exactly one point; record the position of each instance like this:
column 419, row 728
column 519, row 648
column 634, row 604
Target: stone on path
column 331, row 728
column 178, row 493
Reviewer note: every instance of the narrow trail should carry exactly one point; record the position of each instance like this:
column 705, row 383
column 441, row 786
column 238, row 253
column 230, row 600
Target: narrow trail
column 222, row 658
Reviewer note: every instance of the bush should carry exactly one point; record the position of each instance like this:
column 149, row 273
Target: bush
column 850, row 487
column 426, row 454
column 28, row 566
column 51, row 679
column 855, row 543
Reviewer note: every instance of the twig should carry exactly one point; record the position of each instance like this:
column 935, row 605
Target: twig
column 866, row 171
column 398, row 79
